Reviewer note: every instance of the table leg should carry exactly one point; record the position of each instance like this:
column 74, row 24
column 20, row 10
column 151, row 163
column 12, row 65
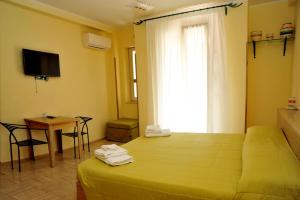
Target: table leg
column 51, row 145
column 79, row 139
column 59, row 141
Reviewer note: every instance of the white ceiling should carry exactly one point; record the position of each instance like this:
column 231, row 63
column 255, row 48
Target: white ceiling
column 117, row 12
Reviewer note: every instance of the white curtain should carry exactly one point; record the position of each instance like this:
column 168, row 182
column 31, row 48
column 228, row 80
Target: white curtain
column 218, row 77
column 187, row 71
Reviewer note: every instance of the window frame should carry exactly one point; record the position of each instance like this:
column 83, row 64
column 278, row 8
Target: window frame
column 133, row 81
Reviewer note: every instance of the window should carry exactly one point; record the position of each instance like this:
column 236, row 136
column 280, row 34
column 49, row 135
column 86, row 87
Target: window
column 188, row 72
column 132, row 72
column 180, row 74
column 195, row 56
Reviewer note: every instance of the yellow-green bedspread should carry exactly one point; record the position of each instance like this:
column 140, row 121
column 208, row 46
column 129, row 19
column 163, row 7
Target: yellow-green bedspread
column 270, row 170
column 179, row 167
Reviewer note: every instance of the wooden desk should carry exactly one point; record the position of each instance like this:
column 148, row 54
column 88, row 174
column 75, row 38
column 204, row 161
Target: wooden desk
column 52, row 125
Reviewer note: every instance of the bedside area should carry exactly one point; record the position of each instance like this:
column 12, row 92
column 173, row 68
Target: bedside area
column 289, row 121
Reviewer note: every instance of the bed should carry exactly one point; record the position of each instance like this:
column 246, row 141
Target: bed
column 258, row 165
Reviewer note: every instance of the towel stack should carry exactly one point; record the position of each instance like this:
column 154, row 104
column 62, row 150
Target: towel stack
column 113, row 155
column 156, row 131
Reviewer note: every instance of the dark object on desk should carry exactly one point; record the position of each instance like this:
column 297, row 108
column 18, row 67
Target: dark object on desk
column 84, row 131
column 21, row 143
column 50, row 117
column 122, row 130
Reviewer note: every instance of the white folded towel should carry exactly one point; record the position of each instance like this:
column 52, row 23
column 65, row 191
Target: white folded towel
column 110, row 147
column 157, row 134
column 153, row 129
column 113, row 155
column 102, row 153
column 119, row 160
column 156, row 131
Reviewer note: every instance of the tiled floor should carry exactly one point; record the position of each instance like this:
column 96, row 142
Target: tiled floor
column 38, row 181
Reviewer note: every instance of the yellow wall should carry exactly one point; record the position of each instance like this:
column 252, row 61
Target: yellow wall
column 269, row 75
column 1, row 52
column 86, row 85
column 125, row 39
column 236, row 26
column 296, row 66
column 236, row 31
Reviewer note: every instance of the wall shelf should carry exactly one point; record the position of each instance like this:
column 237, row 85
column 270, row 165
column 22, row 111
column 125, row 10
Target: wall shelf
column 284, row 40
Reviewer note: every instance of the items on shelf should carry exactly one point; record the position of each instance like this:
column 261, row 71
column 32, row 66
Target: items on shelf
column 287, row 30
column 292, row 103
column 269, row 36
column 256, row 36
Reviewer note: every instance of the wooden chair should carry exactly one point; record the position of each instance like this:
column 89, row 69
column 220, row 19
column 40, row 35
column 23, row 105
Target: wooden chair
column 84, row 131
column 21, row 143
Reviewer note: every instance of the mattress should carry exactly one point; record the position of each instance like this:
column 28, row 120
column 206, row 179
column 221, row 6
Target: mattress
column 181, row 167
column 257, row 166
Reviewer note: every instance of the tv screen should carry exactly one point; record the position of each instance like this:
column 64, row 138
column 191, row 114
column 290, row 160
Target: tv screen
column 37, row 63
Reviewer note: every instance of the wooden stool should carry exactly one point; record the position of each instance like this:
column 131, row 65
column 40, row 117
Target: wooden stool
column 122, row 130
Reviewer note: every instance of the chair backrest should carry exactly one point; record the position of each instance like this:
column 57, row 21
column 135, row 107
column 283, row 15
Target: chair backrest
column 12, row 127
column 84, row 122
column 84, row 119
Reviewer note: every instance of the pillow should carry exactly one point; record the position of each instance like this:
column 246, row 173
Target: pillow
column 270, row 170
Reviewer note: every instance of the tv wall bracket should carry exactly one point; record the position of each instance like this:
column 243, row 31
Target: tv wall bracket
column 41, row 77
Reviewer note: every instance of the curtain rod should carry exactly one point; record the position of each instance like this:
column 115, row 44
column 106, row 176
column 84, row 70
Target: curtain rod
column 231, row 5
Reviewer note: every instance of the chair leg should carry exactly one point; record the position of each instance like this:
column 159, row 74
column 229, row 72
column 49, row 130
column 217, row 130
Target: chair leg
column 78, row 143
column 88, row 137
column 74, row 147
column 11, row 157
column 33, row 157
column 19, row 159
column 82, row 142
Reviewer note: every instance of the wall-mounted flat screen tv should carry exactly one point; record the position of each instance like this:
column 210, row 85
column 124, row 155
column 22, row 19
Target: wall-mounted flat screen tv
column 37, row 63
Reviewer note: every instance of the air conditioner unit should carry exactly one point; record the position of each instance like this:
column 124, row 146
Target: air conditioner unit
column 96, row 41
